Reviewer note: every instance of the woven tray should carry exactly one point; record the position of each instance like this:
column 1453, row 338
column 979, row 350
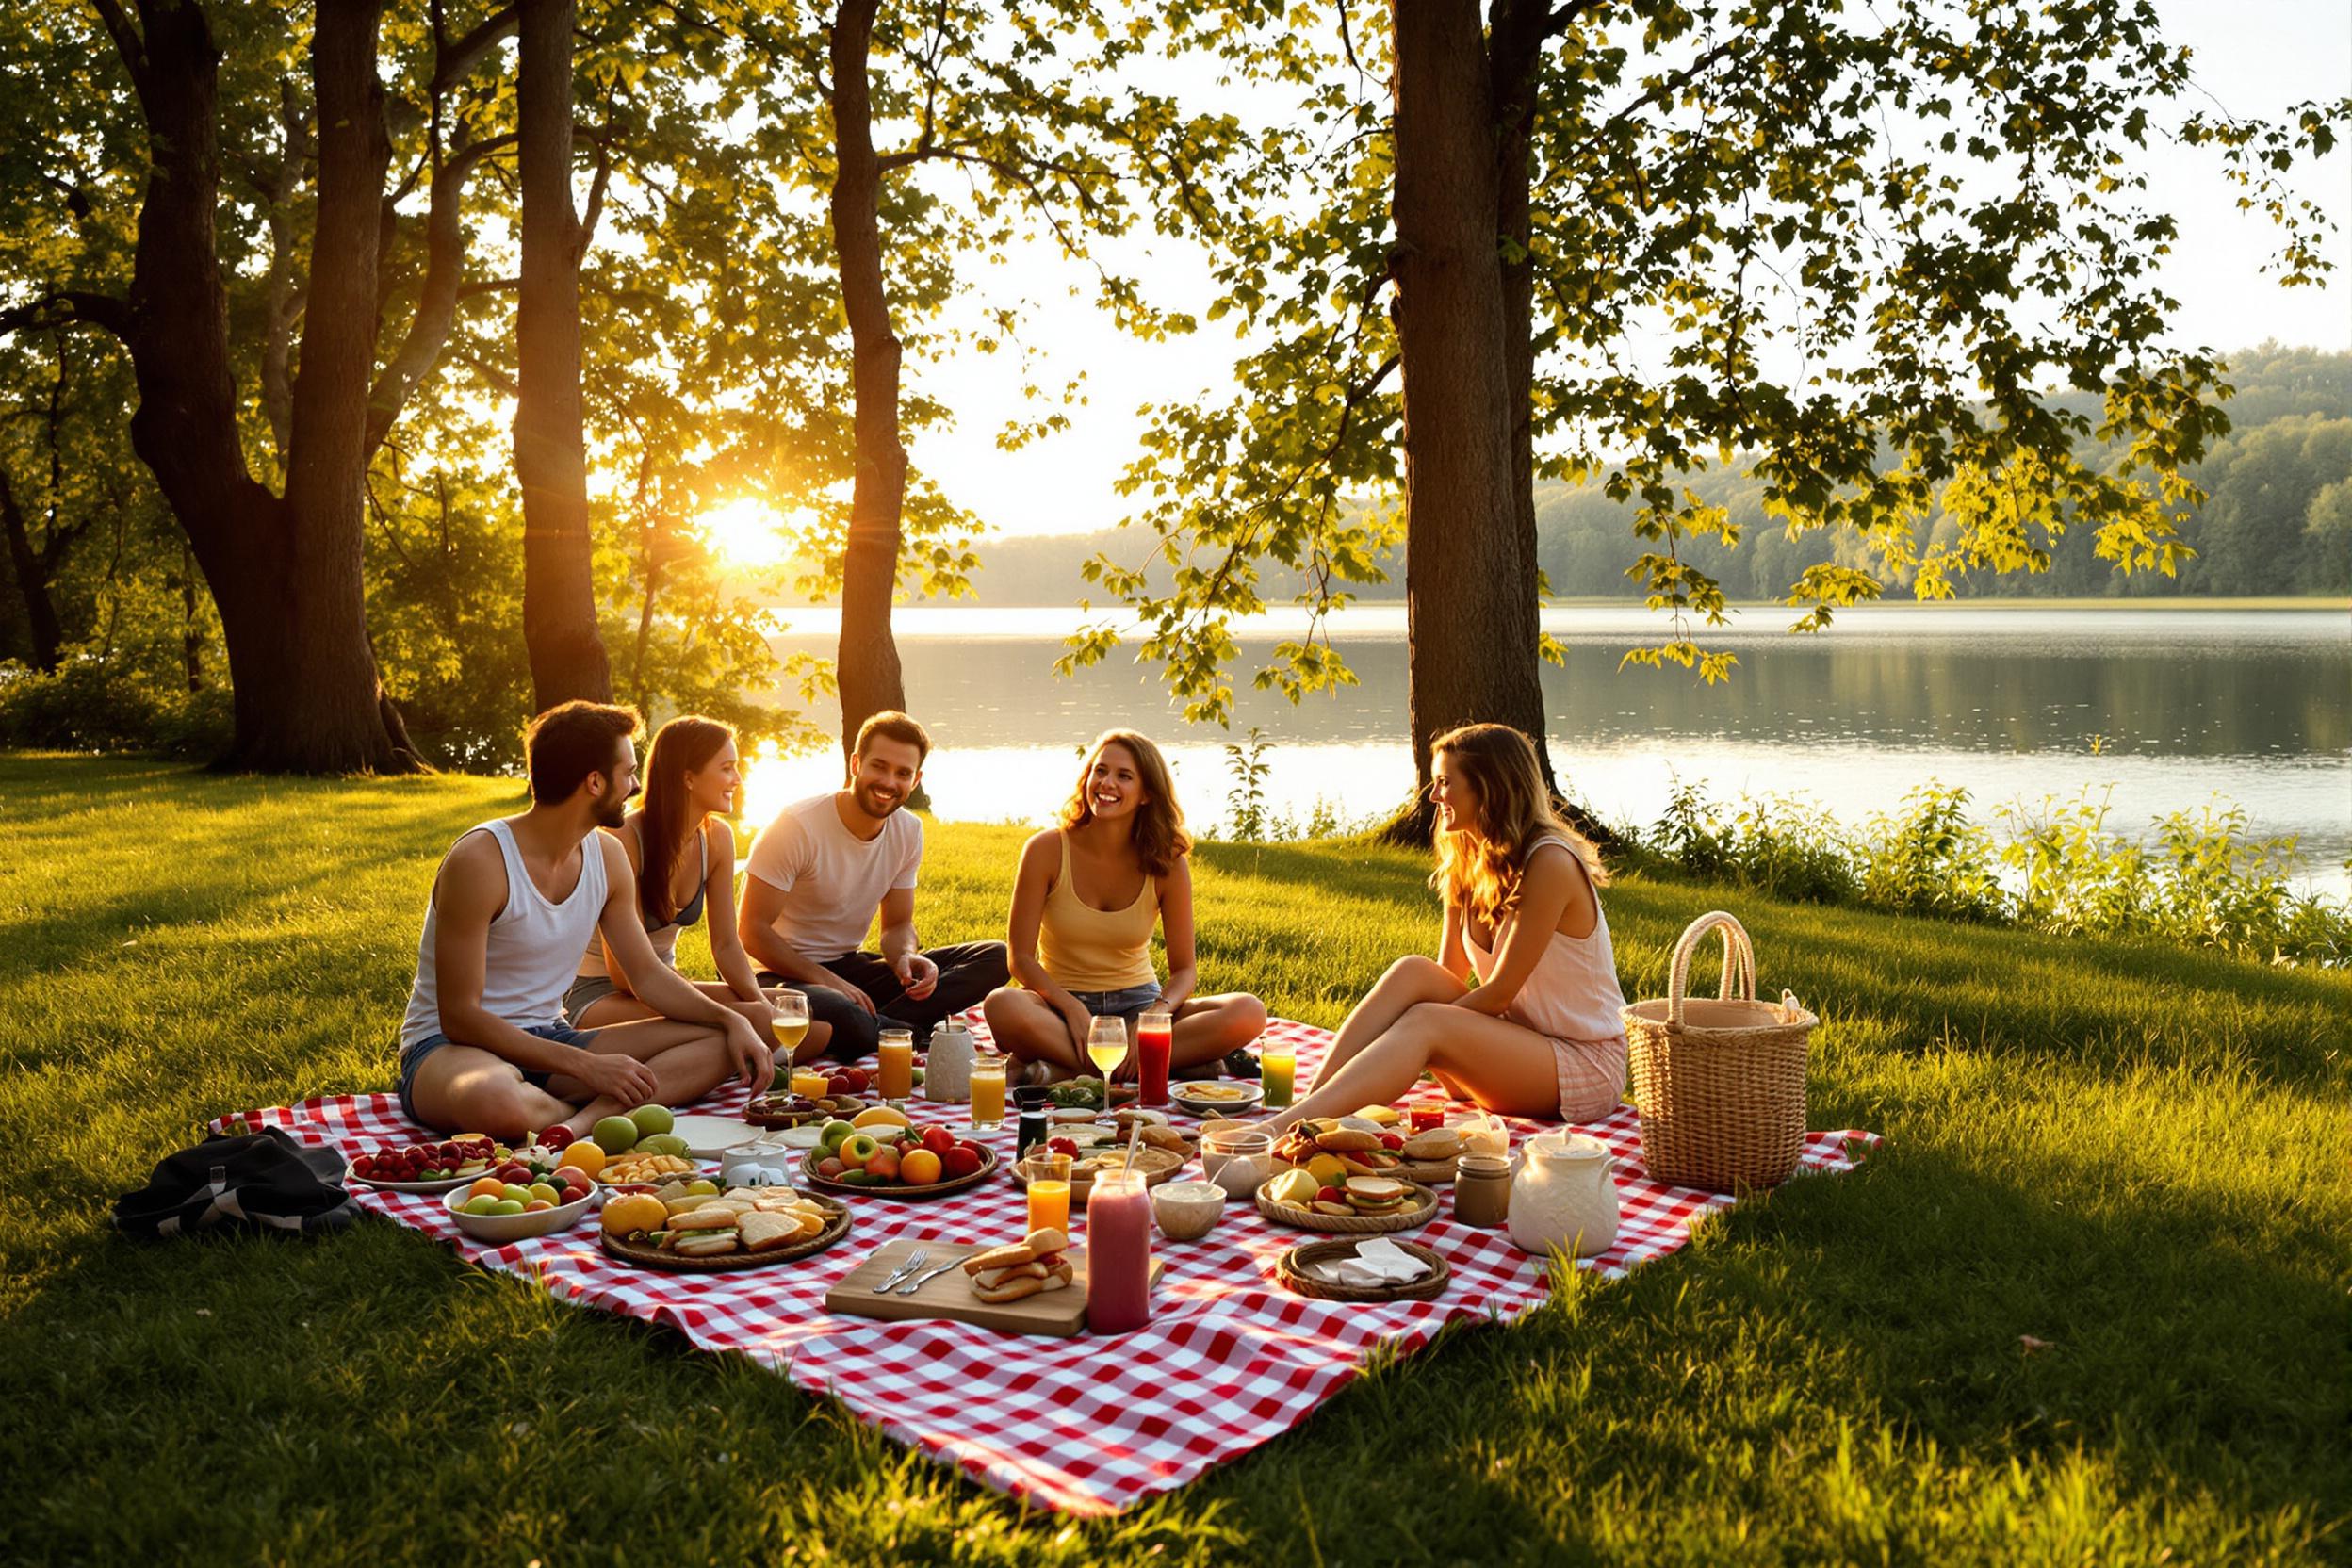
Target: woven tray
column 901, row 1191
column 1292, row 1270
column 1353, row 1224
column 653, row 1257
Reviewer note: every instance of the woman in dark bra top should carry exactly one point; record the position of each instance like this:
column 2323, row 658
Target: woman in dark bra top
column 685, row 865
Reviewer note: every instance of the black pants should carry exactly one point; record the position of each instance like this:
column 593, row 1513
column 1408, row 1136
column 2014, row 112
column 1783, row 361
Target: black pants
column 967, row 973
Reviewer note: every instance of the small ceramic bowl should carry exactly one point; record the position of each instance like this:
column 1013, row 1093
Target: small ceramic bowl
column 1186, row 1211
column 500, row 1229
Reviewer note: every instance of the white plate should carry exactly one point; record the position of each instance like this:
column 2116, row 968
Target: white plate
column 1187, row 1095
column 708, row 1136
column 797, row 1137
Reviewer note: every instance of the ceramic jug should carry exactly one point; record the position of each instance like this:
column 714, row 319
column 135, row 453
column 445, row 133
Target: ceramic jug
column 947, row 1071
column 1563, row 1196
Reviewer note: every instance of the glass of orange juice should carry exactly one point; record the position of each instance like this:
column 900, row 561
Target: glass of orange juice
column 810, row 1082
column 1048, row 1176
column 898, row 1064
column 988, row 1092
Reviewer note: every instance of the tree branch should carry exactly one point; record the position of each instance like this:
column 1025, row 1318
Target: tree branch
column 454, row 61
column 126, row 39
column 106, row 312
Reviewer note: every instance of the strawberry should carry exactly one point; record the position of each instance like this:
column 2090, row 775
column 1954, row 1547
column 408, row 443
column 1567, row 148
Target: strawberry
column 1390, row 1140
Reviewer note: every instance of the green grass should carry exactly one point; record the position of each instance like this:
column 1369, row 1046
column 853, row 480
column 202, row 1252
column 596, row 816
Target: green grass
column 2133, row 1154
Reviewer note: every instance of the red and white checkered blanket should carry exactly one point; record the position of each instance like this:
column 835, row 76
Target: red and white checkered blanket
column 1229, row 1359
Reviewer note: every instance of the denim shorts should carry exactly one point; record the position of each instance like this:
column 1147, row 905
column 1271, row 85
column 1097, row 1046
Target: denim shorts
column 1120, row 1005
column 562, row 1034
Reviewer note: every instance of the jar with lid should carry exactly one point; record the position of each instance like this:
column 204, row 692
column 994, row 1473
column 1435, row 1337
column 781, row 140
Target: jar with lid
column 1482, row 1190
column 1563, row 1199
column 1034, row 1102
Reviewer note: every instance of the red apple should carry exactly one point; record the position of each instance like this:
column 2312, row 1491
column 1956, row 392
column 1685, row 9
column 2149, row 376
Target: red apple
column 960, row 1161
column 830, row 1169
column 558, row 1138
column 857, row 1079
column 939, row 1139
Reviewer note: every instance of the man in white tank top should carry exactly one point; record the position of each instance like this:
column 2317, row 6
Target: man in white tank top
column 485, row 1046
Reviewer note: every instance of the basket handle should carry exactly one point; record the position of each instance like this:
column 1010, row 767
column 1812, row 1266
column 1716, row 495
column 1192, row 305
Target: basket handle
column 1738, row 962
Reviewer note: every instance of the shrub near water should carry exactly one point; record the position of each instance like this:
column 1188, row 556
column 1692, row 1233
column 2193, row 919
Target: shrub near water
column 2202, row 882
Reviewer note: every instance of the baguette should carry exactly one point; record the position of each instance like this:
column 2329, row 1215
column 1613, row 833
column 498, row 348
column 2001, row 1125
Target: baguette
column 1057, row 1275
column 1347, row 1140
column 1040, row 1244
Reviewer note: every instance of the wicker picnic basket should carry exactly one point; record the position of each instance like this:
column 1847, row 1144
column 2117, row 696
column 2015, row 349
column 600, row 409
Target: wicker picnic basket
column 1720, row 1084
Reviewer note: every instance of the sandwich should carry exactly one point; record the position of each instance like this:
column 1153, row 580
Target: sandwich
column 1022, row 1270
column 1377, row 1195
column 705, row 1233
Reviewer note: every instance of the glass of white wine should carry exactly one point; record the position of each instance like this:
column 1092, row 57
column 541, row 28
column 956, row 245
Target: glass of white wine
column 791, row 1022
column 1106, row 1045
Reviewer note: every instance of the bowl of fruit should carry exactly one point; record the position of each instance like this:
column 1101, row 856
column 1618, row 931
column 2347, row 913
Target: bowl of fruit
column 880, row 1155
column 534, row 1193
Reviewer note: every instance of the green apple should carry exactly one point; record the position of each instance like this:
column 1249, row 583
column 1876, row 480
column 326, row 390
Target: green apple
column 653, row 1118
column 856, row 1149
column 481, row 1204
column 506, row 1205
column 518, row 1194
column 614, row 1135
column 835, row 1132
column 662, row 1143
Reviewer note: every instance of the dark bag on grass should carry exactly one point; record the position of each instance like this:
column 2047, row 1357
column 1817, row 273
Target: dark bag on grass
column 260, row 1180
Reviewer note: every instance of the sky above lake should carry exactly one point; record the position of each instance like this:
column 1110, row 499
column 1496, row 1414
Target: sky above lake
column 2255, row 58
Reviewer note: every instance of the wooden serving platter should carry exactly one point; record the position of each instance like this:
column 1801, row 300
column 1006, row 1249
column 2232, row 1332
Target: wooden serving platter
column 1058, row 1312
column 897, row 1189
column 727, row 1262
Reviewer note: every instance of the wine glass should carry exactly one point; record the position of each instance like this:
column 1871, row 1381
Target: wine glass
column 791, row 1023
column 1106, row 1046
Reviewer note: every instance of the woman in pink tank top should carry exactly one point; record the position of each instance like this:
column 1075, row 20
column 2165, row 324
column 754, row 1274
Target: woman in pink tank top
column 1540, row 1033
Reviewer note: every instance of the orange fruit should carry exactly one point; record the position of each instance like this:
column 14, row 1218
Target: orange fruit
column 584, row 1156
column 919, row 1168
column 489, row 1187
column 634, row 1212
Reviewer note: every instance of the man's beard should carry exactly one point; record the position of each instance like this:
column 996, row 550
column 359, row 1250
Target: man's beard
column 865, row 797
column 610, row 809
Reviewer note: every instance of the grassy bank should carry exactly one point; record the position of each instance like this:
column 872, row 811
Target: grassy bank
column 2128, row 1156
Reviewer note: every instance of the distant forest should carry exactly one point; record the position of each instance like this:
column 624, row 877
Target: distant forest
column 2277, row 520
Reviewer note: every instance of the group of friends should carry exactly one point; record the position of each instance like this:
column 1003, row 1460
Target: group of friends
column 548, row 990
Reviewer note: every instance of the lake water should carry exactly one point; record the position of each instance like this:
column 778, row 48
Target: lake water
column 2167, row 706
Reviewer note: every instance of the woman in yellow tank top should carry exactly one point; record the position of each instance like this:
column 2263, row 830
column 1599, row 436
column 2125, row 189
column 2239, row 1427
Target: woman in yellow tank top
column 1085, row 900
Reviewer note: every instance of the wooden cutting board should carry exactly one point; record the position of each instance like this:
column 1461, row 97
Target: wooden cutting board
column 1060, row 1313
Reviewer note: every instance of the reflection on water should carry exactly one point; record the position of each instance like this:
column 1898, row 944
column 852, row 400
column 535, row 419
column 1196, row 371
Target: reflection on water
column 2170, row 706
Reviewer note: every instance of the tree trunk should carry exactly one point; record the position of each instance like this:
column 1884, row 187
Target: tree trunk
column 191, row 632
column 1470, row 602
column 285, row 573
column 567, row 659
column 867, row 665
column 32, row 581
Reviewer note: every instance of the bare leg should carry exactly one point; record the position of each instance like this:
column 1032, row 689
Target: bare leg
column 1208, row 1027
column 688, row 1061
column 1409, row 982
column 464, row 1089
column 621, row 1007
column 1504, row 1066
column 1024, row 1025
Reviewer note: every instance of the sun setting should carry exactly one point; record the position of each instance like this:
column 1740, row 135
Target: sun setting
column 747, row 535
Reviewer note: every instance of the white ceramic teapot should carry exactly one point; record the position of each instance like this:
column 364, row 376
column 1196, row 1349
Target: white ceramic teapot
column 1563, row 1196
column 947, row 1070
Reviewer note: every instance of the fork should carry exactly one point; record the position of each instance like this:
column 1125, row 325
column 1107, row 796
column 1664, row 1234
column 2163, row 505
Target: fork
column 913, row 1260
column 918, row 1281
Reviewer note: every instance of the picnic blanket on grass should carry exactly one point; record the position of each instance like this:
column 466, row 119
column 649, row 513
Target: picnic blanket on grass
column 1229, row 1359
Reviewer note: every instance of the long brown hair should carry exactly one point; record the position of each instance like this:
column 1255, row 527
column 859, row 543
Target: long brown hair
column 1478, row 869
column 1159, row 825
column 680, row 747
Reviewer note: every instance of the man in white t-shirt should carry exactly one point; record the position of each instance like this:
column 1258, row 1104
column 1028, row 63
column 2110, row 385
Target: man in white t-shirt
column 820, row 874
